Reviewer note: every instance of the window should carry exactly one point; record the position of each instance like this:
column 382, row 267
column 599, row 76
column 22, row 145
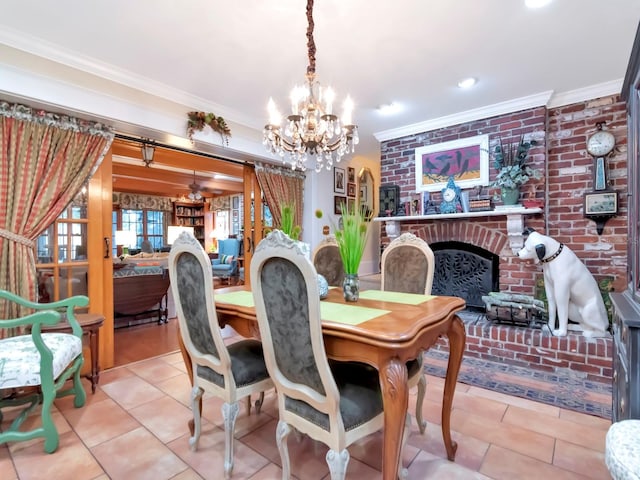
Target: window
column 148, row 225
column 62, row 265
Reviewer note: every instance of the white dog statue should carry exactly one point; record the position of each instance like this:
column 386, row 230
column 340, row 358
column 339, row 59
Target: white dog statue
column 572, row 291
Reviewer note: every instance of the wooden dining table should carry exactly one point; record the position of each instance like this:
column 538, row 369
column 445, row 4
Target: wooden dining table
column 404, row 326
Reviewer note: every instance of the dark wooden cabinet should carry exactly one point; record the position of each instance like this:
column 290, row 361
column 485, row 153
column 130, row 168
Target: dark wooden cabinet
column 626, row 305
column 626, row 357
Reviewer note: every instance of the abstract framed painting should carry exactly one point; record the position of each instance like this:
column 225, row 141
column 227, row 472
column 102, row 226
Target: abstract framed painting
column 465, row 159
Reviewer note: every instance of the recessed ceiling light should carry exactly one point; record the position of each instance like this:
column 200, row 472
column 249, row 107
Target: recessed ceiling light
column 390, row 108
column 536, row 3
column 467, row 82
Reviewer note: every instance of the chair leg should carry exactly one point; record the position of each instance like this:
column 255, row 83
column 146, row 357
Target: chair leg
column 282, row 432
column 51, row 437
column 229, row 413
column 422, row 389
column 80, row 396
column 403, row 473
column 338, row 463
column 196, row 405
column 258, row 403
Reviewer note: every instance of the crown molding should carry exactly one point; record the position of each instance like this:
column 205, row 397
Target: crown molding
column 55, row 53
column 124, row 115
column 515, row 105
column 605, row 89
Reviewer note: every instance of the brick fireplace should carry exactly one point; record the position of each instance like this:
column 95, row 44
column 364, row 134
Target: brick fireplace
column 501, row 236
column 561, row 132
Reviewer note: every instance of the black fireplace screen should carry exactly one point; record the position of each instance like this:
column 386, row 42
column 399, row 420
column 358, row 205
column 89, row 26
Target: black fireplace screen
column 465, row 270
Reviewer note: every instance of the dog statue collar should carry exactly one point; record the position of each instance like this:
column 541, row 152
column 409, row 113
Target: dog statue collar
column 555, row 255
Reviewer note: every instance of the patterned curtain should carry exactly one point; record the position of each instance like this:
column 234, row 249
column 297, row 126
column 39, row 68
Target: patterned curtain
column 281, row 185
column 44, row 161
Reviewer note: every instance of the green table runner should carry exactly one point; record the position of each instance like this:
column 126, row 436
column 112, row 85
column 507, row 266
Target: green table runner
column 333, row 312
column 395, row 297
column 348, row 314
column 242, row 299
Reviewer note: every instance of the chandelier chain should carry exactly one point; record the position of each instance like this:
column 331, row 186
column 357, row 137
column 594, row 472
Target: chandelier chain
column 311, row 44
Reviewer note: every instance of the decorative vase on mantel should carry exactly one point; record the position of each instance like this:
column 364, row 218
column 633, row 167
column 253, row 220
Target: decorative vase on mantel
column 510, row 196
column 351, row 287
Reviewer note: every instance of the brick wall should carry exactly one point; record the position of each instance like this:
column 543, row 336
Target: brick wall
column 562, row 134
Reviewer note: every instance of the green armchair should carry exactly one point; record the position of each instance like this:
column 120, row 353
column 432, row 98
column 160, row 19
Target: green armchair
column 35, row 366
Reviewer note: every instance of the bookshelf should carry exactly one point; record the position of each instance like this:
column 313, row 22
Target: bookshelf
column 189, row 214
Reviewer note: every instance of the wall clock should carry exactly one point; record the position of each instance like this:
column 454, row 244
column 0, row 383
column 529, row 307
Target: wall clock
column 450, row 197
column 599, row 146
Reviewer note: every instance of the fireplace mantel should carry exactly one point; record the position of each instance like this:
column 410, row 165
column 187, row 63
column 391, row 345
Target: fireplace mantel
column 515, row 221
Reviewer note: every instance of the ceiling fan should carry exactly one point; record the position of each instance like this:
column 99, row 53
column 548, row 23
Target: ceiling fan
column 197, row 190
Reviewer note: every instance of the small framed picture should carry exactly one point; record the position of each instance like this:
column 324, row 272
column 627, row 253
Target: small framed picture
column 338, row 201
column 351, row 204
column 339, row 182
column 351, row 189
column 601, row 203
column 351, row 174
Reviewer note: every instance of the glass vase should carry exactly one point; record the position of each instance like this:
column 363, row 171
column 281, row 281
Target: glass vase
column 351, row 287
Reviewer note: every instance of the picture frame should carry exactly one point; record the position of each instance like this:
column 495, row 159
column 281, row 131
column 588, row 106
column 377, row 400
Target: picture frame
column 363, row 193
column 351, row 175
column 466, row 160
column 601, row 203
column 339, row 180
column 351, row 190
column 337, row 202
column 351, row 204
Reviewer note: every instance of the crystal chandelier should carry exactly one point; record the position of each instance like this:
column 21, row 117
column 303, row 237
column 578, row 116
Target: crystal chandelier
column 312, row 129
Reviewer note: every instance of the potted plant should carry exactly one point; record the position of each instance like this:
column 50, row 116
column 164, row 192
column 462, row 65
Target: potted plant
column 287, row 223
column 351, row 238
column 510, row 161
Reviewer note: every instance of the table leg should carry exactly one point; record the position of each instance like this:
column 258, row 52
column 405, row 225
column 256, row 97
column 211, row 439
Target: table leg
column 457, row 336
column 95, row 369
column 395, row 398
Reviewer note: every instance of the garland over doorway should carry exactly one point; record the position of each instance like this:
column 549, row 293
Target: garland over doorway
column 198, row 120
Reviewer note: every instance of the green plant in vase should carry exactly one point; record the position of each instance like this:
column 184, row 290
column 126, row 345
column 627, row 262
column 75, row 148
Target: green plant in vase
column 513, row 172
column 352, row 238
column 287, row 222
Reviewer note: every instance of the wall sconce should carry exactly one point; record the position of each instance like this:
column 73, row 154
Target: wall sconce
column 147, row 153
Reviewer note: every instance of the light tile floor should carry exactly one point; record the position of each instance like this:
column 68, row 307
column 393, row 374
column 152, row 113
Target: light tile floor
column 135, row 427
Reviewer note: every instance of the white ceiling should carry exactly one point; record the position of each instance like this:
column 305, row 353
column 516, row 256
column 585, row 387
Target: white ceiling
column 230, row 57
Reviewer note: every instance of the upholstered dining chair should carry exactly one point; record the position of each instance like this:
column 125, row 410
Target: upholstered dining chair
column 35, row 367
column 336, row 403
column 408, row 266
column 231, row 372
column 327, row 261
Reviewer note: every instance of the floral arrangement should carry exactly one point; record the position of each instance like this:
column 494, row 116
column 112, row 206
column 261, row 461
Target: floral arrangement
column 510, row 161
column 198, row 120
column 352, row 237
column 288, row 212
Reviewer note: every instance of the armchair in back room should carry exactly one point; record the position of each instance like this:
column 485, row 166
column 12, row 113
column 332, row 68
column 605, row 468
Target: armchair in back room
column 226, row 265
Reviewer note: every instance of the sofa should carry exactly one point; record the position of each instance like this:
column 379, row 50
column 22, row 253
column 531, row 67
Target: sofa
column 226, row 265
column 159, row 259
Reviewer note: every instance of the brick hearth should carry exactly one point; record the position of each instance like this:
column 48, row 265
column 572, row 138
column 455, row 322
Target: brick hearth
column 535, row 348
